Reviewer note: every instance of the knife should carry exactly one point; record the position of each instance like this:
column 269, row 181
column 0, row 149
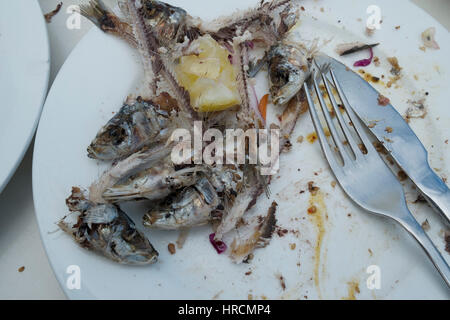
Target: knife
column 402, row 143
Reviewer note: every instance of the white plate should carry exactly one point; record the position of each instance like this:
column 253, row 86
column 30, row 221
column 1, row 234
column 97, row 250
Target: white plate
column 102, row 71
column 24, row 72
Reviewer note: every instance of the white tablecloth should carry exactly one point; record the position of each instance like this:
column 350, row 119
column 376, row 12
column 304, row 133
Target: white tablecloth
column 20, row 243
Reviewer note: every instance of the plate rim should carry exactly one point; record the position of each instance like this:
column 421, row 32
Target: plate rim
column 42, row 100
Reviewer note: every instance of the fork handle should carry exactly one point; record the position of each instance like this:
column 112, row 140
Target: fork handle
column 414, row 228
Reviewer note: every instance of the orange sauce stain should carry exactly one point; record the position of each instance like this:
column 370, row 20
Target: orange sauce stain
column 371, row 78
column 312, row 137
column 353, row 289
column 317, row 217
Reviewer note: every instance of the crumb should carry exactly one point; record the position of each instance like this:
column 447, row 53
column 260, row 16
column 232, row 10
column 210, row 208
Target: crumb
column 322, row 9
column 423, row 48
column 21, row 269
column 370, row 252
column 48, row 16
column 171, row 248
column 376, row 61
column 333, row 184
column 380, row 148
column 447, row 241
column 312, row 188
column 282, row 232
column 312, row 137
column 349, row 215
column 396, row 69
column 420, row 199
column 372, row 125
column 426, row 225
column 248, row 273
column 397, row 27
column 292, row 246
column 402, row 176
column 300, row 139
column 302, row 8
column 446, row 141
column 250, row 297
column 416, row 110
column 362, row 148
column 389, row 129
column 282, row 282
column 312, row 210
column 383, row 101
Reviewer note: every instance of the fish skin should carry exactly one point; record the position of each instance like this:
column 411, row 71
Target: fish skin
column 153, row 184
column 132, row 128
column 107, row 230
column 191, row 207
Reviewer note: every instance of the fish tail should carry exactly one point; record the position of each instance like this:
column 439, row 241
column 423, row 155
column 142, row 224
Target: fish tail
column 103, row 17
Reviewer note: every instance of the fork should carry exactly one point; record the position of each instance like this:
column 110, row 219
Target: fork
column 363, row 175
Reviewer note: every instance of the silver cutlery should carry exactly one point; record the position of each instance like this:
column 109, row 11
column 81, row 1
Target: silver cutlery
column 360, row 170
column 402, row 143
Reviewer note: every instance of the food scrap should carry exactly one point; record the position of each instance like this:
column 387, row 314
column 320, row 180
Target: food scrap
column 428, row 38
column 220, row 246
column 416, row 110
column 396, row 69
column 349, row 48
column 426, row 225
column 383, row 101
column 312, row 188
column 312, row 137
column 21, row 269
column 364, row 62
column 48, row 16
column 312, row 210
column 447, row 241
column 282, row 282
column 402, row 176
column 263, row 106
column 171, row 248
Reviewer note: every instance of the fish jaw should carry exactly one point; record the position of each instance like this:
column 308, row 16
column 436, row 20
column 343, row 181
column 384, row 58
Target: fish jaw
column 287, row 92
column 106, row 230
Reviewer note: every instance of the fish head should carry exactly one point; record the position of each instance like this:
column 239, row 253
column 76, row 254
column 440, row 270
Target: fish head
column 111, row 142
column 132, row 247
column 167, row 21
column 288, row 70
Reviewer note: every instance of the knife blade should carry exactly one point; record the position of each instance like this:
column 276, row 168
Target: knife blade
column 401, row 142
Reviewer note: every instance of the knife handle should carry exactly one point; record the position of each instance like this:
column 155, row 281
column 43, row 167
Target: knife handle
column 436, row 193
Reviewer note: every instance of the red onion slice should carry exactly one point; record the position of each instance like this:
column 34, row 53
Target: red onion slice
column 220, row 246
column 364, row 62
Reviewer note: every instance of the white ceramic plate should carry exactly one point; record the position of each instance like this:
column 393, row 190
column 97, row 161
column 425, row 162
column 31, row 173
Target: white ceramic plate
column 24, row 72
column 332, row 250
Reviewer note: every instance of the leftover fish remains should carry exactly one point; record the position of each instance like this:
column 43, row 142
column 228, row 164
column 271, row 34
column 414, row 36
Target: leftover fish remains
column 193, row 71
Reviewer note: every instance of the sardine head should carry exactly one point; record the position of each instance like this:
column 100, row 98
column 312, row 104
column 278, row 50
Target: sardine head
column 110, row 143
column 285, row 84
column 288, row 70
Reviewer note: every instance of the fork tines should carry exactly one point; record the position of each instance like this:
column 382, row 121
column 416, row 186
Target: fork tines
column 357, row 149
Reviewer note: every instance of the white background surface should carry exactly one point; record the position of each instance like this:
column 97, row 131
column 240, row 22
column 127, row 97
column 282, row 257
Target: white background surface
column 20, row 243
